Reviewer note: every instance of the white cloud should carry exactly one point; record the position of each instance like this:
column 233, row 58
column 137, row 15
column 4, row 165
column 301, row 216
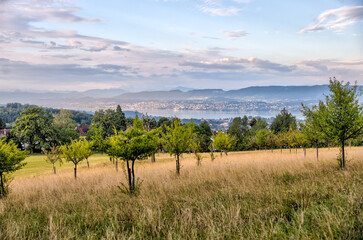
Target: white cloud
column 233, row 35
column 336, row 19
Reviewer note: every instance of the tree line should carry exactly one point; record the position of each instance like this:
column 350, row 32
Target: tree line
column 336, row 120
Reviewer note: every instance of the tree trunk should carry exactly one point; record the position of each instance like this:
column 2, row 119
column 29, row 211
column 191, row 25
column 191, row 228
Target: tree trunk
column 177, row 165
column 281, row 150
column 87, row 162
column 2, row 185
column 343, row 156
column 153, row 158
column 296, row 150
column 116, row 165
column 221, row 153
column 317, row 152
column 350, row 144
column 129, row 175
column 290, row 149
column 133, row 177
column 110, row 159
column 304, row 152
column 113, row 160
column 75, row 172
column 54, row 169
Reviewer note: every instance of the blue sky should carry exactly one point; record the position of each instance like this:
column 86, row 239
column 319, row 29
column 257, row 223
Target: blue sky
column 161, row 44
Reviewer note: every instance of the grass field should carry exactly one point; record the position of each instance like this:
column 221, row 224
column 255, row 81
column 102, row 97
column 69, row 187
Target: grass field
column 245, row 195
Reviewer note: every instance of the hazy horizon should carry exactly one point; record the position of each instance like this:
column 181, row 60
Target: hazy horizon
column 67, row 45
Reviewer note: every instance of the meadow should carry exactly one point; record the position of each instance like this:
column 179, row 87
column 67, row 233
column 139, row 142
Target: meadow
column 245, row 195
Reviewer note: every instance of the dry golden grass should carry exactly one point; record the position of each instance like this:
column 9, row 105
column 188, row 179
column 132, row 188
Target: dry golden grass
column 255, row 195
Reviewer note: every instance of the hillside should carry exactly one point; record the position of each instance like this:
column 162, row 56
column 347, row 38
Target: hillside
column 245, row 195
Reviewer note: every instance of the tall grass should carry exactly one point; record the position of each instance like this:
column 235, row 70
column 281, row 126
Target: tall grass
column 245, row 195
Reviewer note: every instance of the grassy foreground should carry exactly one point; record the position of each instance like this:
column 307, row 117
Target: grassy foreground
column 246, row 195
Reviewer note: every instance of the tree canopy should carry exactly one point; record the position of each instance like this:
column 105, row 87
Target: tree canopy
column 11, row 160
column 283, row 122
column 35, row 128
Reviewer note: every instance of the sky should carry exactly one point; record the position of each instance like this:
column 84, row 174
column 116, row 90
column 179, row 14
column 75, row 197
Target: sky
column 139, row 45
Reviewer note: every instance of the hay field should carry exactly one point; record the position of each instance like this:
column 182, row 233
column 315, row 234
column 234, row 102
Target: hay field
column 245, row 195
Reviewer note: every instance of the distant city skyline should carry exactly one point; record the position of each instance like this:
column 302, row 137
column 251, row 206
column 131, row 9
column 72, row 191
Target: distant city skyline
column 162, row 44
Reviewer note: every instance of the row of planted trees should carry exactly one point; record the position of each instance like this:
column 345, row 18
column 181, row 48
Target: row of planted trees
column 338, row 119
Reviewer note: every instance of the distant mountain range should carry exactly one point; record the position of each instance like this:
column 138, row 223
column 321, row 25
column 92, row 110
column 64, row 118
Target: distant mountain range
column 99, row 98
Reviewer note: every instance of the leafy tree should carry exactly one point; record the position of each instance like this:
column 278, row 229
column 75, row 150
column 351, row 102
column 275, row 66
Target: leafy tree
column 238, row 130
column 35, row 128
column 99, row 144
column 53, row 156
column 196, row 148
column 340, row 117
column 134, row 144
column 283, row 122
column 86, row 150
column 252, row 122
column 271, row 140
column 222, row 142
column 11, row 160
column 74, row 153
column 177, row 140
column 310, row 128
column 261, row 137
column 164, row 122
column 204, row 134
column 110, row 120
column 2, row 124
column 64, row 127
column 259, row 125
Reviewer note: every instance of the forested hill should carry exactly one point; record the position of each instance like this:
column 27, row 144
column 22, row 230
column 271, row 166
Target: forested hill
column 11, row 111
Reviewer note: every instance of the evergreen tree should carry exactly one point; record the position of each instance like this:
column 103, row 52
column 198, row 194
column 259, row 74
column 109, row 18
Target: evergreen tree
column 283, row 122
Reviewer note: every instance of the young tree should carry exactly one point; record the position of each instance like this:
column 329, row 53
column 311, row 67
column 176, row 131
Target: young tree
column 222, row 142
column 196, row 148
column 53, row 155
column 340, row 117
column 86, row 150
column 134, row 144
column 177, row 140
column 11, row 159
column 73, row 152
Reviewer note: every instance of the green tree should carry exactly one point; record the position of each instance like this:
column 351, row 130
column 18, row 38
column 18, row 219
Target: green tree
column 340, row 117
column 222, row 142
column 64, row 127
column 283, row 122
column 53, row 156
column 131, row 145
column 204, row 135
column 261, row 137
column 11, row 160
column 2, row 124
column 238, row 130
column 110, row 120
column 35, row 129
column 73, row 152
column 177, row 140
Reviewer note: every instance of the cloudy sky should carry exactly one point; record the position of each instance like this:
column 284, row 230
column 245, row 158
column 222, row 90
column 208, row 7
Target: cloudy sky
column 161, row 44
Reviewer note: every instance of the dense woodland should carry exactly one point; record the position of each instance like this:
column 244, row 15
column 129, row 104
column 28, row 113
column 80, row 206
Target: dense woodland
column 12, row 111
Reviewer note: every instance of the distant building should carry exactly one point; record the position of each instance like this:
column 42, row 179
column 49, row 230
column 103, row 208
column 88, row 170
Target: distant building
column 4, row 132
column 82, row 130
